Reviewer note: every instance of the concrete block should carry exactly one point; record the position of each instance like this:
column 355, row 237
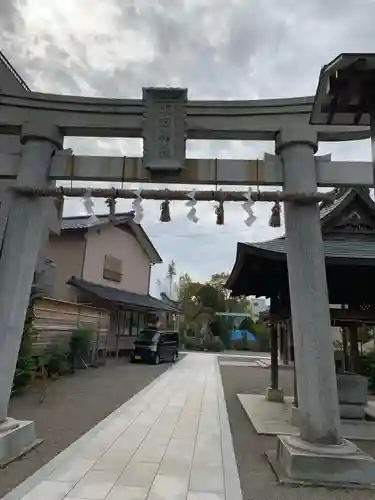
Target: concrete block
column 16, row 439
column 352, row 412
column 340, row 465
column 347, row 412
column 275, row 395
column 352, row 389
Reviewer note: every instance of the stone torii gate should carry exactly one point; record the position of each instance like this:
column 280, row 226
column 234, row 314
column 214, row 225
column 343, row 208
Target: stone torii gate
column 165, row 118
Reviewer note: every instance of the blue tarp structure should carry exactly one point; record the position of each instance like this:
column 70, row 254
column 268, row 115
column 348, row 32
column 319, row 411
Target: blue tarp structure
column 242, row 334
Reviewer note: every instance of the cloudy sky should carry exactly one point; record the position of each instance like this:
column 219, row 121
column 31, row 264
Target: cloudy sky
column 218, row 49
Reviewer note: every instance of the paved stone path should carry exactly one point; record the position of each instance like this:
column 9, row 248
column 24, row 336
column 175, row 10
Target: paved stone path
column 171, row 441
column 247, row 364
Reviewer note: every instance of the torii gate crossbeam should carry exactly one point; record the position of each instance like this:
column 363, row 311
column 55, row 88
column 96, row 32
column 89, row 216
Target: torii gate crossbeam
column 267, row 172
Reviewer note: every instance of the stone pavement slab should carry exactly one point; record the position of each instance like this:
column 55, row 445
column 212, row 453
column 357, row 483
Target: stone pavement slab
column 243, row 364
column 275, row 418
column 171, row 441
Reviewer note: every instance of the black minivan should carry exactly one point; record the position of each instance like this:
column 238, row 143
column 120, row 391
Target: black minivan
column 154, row 346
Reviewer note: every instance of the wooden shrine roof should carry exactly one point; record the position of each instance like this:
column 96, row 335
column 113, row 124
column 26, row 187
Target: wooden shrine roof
column 348, row 227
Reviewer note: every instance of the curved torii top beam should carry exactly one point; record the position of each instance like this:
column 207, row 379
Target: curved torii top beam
column 231, row 120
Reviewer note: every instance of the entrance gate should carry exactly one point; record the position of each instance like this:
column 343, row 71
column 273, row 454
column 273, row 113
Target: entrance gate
column 165, row 119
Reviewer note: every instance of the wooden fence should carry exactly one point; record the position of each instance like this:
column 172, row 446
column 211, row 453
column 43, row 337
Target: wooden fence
column 55, row 320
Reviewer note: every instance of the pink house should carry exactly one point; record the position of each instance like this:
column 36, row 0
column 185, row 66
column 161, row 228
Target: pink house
column 108, row 265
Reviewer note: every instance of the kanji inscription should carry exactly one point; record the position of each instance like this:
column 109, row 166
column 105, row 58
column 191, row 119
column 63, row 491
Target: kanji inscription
column 164, row 128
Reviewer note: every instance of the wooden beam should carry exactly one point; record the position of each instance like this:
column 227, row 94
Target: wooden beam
column 338, row 316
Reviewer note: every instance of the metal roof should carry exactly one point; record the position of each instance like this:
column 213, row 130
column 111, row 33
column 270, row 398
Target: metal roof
column 351, row 252
column 9, row 67
column 83, row 221
column 355, row 248
column 326, row 210
column 122, row 297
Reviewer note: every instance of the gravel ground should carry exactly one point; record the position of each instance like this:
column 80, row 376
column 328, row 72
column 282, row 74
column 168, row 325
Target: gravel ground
column 72, row 406
column 257, row 478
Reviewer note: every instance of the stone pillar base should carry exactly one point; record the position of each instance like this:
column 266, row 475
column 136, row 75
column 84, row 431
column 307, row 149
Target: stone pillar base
column 274, row 395
column 16, row 438
column 343, row 465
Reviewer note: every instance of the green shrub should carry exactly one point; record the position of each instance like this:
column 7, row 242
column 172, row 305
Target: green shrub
column 262, row 334
column 245, row 345
column 181, row 339
column 214, row 344
column 55, row 359
column 367, row 368
column 191, row 343
column 240, row 344
column 80, row 345
column 24, row 372
column 25, row 363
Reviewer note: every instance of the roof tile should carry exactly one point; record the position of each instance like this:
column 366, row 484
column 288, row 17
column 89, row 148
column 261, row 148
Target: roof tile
column 82, row 221
column 344, row 247
column 124, row 297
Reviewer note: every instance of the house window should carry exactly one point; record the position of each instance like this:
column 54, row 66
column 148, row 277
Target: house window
column 119, row 323
column 133, row 323
column 112, row 269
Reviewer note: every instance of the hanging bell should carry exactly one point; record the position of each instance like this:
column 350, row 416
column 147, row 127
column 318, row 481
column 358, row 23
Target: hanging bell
column 165, row 215
column 111, row 204
column 275, row 219
column 219, row 211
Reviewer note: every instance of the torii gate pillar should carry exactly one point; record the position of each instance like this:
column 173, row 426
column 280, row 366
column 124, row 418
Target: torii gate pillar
column 319, row 455
column 24, row 235
column 317, row 387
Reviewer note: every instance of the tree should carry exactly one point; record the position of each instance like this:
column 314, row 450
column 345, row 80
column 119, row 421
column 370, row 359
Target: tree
column 232, row 304
column 171, row 273
column 248, row 324
column 259, row 329
column 201, row 301
column 218, row 281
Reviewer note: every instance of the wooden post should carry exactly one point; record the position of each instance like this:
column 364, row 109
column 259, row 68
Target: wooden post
column 291, row 341
column 285, row 329
column 274, row 393
column 281, row 339
column 295, row 387
column 354, row 352
column 345, row 348
column 274, row 360
column 292, row 357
